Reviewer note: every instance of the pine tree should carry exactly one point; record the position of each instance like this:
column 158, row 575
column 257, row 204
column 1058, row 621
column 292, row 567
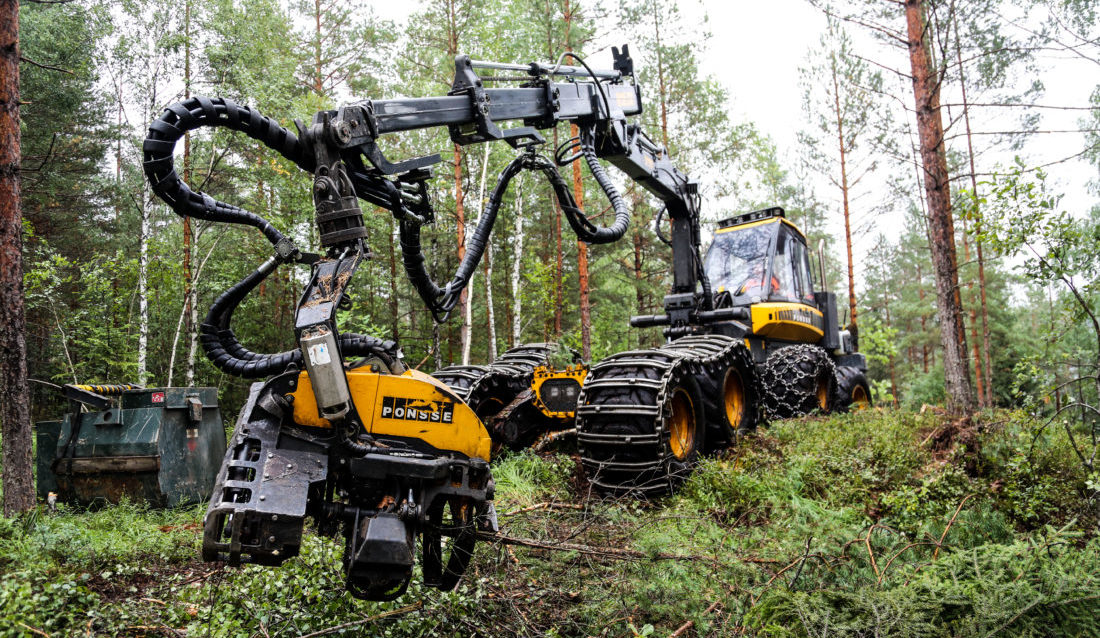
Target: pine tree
column 14, row 405
column 841, row 96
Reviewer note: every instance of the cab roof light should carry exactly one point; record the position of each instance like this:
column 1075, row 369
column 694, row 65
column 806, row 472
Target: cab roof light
column 744, row 218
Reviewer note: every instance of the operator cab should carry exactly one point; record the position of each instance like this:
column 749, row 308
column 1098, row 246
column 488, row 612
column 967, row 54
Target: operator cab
column 760, row 256
column 761, row 261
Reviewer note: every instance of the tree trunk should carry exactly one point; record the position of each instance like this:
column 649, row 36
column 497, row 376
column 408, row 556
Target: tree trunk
column 517, row 260
column 559, row 274
column 582, row 265
column 490, row 313
column 468, row 315
column 395, row 316
column 318, row 88
column 143, row 290
column 973, row 325
column 923, row 321
column 18, row 481
column 660, row 76
column 188, row 234
column 893, row 372
column 578, row 194
column 639, row 279
column 960, row 397
column 844, row 196
column 460, row 230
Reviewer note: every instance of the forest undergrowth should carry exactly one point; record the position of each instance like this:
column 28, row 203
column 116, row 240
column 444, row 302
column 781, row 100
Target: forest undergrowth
column 877, row 523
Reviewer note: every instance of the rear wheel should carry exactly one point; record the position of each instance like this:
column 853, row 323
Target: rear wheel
column 853, row 392
column 488, row 390
column 797, row 380
column 739, row 399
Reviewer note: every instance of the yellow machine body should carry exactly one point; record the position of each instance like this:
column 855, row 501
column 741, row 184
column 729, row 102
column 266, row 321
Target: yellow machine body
column 410, row 405
column 763, row 222
column 788, row 321
column 556, row 391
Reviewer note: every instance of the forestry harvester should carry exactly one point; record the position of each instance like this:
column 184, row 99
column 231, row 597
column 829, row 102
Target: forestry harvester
column 342, row 431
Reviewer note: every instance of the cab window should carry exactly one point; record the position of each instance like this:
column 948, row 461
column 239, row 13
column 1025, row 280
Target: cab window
column 737, row 262
column 783, row 270
column 804, row 287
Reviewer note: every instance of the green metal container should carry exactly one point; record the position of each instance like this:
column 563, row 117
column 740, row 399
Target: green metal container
column 162, row 446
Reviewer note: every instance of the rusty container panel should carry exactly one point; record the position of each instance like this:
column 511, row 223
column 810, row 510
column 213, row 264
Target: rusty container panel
column 161, row 446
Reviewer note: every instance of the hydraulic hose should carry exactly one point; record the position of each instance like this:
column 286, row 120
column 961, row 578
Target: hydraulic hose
column 221, row 346
column 198, row 112
column 622, row 213
column 218, row 341
column 442, row 299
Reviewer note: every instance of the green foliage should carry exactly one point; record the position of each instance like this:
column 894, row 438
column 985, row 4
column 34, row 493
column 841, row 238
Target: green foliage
column 845, row 525
column 877, row 341
column 933, row 497
column 925, row 389
column 1040, row 587
column 528, row 478
column 46, row 602
column 1022, row 216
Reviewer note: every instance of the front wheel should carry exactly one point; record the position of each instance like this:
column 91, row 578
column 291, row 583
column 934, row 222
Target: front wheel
column 853, row 392
column 797, row 380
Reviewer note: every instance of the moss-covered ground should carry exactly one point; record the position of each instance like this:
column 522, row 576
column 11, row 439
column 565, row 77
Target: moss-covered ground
column 877, row 523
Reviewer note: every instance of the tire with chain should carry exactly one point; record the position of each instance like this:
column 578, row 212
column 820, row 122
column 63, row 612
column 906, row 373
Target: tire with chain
column 642, row 414
column 488, row 389
column 728, row 385
column 797, row 380
column 853, row 392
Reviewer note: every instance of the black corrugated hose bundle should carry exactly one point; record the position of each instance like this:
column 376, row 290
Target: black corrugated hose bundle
column 441, row 300
column 217, row 338
column 218, row 341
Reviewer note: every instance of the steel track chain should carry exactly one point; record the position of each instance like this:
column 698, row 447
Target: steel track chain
column 486, row 389
column 624, row 408
column 790, row 380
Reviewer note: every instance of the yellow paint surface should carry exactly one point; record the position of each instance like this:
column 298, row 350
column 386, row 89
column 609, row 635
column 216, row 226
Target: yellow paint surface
column 788, row 321
column 412, row 405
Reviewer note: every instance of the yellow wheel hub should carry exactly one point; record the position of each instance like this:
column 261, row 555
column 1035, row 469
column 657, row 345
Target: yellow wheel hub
column 823, row 395
column 733, row 392
column 681, row 425
column 860, row 400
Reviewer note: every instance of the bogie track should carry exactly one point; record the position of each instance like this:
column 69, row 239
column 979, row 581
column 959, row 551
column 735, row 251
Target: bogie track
column 492, row 389
column 632, row 428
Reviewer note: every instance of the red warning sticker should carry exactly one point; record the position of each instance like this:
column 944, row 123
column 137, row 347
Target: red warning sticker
column 158, row 397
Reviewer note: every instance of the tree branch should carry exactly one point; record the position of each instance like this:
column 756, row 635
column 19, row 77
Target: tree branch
column 48, row 67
